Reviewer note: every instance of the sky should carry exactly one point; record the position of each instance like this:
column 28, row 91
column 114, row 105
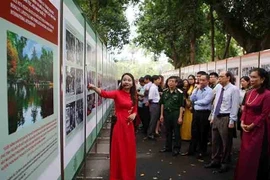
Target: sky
column 30, row 45
column 139, row 55
column 126, row 52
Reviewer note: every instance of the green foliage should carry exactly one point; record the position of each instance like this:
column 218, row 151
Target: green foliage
column 248, row 22
column 21, row 68
column 169, row 26
column 108, row 18
column 181, row 29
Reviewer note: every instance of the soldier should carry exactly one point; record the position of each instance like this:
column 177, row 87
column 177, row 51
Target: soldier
column 172, row 106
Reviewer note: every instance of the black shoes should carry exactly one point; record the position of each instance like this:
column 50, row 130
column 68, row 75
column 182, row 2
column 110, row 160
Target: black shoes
column 150, row 137
column 165, row 150
column 175, row 153
column 224, row 168
column 200, row 156
column 187, row 154
column 212, row 165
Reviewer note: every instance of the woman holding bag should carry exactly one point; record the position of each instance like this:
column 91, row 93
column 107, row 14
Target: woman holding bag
column 123, row 148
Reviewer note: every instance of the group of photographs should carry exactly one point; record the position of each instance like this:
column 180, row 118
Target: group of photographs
column 74, row 82
column 74, row 115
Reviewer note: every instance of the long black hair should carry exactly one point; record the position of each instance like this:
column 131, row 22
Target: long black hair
column 263, row 74
column 133, row 92
column 247, row 79
column 194, row 78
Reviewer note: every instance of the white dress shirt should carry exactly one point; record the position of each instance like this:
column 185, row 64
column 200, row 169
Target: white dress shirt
column 153, row 93
column 230, row 101
column 146, row 88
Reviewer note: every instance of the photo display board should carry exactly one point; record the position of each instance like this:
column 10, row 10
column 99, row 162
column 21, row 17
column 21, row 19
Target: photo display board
column 248, row 62
column 265, row 60
column 29, row 89
column 74, row 100
column 203, row 67
column 190, row 70
column 233, row 65
column 211, row 67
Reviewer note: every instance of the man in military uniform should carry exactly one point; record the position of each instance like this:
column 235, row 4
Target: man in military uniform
column 172, row 106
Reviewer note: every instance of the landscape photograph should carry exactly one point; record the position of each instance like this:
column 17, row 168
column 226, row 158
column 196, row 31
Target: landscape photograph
column 29, row 81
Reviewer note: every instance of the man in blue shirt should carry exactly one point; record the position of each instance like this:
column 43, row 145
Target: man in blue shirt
column 201, row 98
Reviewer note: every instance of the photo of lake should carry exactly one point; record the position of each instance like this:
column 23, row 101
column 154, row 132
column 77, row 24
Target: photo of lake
column 29, row 82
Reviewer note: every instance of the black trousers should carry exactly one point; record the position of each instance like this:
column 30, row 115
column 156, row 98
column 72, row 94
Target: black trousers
column 172, row 126
column 145, row 117
column 199, row 132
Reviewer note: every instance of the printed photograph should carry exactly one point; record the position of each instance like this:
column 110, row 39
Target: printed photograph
column 234, row 70
column 246, row 70
column 90, row 103
column 94, row 60
column 220, row 70
column 70, row 47
column 70, row 80
column 29, row 81
column 79, row 111
column 79, row 81
column 99, row 85
column 266, row 67
column 70, row 117
column 79, row 52
column 91, row 76
column 89, row 55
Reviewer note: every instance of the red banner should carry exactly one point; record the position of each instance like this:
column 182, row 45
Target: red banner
column 37, row 16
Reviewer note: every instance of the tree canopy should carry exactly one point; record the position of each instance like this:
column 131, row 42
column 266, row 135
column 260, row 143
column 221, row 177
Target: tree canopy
column 108, row 18
column 194, row 31
column 248, row 22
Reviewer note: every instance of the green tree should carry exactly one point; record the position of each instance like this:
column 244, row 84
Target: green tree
column 248, row 22
column 188, row 32
column 108, row 18
column 172, row 27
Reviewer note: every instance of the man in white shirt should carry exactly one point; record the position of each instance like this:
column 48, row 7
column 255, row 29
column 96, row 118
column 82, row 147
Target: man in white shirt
column 154, row 107
column 145, row 104
column 223, row 122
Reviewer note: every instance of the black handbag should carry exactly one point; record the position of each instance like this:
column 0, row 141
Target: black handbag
column 113, row 119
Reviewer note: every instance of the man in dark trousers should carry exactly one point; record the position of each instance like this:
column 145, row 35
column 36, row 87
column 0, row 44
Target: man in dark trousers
column 201, row 98
column 154, row 106
column 223, row 123
column 172, row 105
column 145, row 104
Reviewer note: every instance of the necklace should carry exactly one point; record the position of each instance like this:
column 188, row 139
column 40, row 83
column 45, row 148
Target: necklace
column 248, row 102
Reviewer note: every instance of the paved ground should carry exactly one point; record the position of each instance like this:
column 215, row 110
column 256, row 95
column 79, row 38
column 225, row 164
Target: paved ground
column 150, row 163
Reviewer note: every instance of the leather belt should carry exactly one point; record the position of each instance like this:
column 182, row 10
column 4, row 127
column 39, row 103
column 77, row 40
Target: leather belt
column 202, row 111
column 223, row 115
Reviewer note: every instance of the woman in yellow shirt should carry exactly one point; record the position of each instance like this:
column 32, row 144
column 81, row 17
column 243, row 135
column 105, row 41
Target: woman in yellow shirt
column 187, row 120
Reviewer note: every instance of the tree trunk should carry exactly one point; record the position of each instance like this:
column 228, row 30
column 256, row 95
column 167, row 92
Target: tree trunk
column 226, row 52
column 192, row 49
column 212, row 34
column 235, row 28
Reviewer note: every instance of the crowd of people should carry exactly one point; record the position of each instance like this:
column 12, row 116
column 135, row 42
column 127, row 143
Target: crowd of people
column 209, row 109
column 205, row 110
